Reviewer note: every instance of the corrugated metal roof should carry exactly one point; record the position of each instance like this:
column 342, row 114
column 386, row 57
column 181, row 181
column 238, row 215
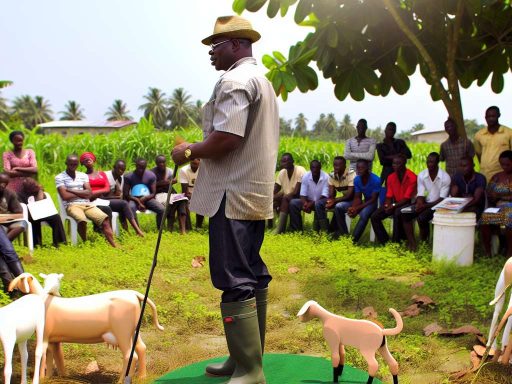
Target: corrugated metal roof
column 428, row 130
column 87, row 124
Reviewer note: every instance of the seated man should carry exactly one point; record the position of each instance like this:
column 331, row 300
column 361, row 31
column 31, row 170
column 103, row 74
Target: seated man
column 468, row 183
column 367, row 185
column 340, row 180
column 164, row 178
column 314, row 188
column 10, row 264
column 286, row 188
column 10, row 209
column 433, row 186
column 142, row 197
column 187, row 178
column 401, row 188
column 74, row 190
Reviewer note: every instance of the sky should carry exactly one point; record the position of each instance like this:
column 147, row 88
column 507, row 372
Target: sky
column 96, row 51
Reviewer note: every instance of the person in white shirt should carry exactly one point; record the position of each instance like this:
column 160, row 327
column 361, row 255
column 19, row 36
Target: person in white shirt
column 314, row 189
column 286, row 188
column 187, row 179
column 433, row 186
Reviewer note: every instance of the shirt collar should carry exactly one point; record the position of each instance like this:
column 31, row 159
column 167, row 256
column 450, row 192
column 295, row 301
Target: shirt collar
column 501, row 129
column 243, row 60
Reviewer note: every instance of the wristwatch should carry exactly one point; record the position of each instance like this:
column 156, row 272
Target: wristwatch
column 187, row 153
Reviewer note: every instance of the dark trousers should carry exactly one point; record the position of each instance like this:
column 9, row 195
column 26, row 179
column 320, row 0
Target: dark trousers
column 7, row 256
column 423, row 219
column 380, row 232
column 236, row 266
column 55, row 223
column 152, row 205
column 122, row 207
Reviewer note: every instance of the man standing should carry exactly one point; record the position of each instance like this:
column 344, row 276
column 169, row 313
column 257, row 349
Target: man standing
column 287, row 187
column 433, row 186
column 360, row 147
column 314, row 190
column 234, row 188
column 388, row 149
column 454, row 148
column 490, row 142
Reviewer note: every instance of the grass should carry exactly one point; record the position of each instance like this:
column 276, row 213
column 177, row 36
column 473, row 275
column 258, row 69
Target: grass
column 340, row 276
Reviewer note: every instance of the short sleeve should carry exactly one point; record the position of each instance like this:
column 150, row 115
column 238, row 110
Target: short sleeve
column 231, row 108
column 59, row 181
column 32, row 158
column 357, row 185
column 183, row 176
column 279, row 180
column 7, row 161
column 350, row 178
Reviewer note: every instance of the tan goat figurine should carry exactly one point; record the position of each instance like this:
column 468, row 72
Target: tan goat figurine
column 365, row 335
column 109, row 317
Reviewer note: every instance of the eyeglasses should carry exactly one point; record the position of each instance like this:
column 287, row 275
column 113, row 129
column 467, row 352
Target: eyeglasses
column 215, row 45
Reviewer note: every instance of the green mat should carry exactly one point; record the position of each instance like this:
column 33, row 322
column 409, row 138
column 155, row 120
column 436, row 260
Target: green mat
column 279, row 369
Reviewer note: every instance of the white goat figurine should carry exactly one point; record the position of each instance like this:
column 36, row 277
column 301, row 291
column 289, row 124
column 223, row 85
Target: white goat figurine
column 109, row 317
column 365, row 335
column 502, row 284
column 18, row 321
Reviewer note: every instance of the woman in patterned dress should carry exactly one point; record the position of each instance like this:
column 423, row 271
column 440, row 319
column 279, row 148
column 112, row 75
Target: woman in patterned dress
column 19, row 163
column 499, row 195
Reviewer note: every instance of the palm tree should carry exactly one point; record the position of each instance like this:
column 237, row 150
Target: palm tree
column 347, row 129
column 156, row 107
column 5, row 83
column 301, row 125
column 4, row 109
column 118, row 111
column 42, row 111
column 330, row 125
column 23, row 107
column 318, row 127
column 73, row 111
column 197, row 113
column 285, row 127
column 181, row 109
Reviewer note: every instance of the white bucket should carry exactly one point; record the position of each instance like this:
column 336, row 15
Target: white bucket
column 454, row 237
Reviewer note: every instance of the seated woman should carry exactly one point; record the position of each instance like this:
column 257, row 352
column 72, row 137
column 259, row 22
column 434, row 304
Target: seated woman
column 19, row 163
column 29, row 188
column 499, row 195
column 100, row 187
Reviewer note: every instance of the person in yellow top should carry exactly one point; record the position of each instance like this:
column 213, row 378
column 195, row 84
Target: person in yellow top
column 490, row 142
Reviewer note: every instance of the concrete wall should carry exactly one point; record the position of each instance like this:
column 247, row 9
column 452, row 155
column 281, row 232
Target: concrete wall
column 433, row 137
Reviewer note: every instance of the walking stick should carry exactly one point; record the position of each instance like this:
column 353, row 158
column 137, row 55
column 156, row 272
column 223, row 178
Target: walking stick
column 127, row 378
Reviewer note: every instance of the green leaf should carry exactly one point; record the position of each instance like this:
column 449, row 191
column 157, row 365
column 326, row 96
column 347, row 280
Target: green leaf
column 311, row 21
column 434, row 94
column 279, row 56
column 332, row 36
column 289, row 81
column 303, row 10
column 356, row 89
column 269, row 62
column 284, row 8
column 254, row 5
column 385, row 83
column 497, row 82
column 277, row 81
column 369, row 80
column 399, row 81
column 239, row 6
column 407, row 60
column 342, row 86
column 5, row 83
column 273, row 8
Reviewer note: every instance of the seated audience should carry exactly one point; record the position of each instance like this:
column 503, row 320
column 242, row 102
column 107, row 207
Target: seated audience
column 468, row 183
column 32, row 188
column 101, row 189
column 433, row 186
column 360, row 147
column 10, row 264
column 388, row 149
column 499, row 195
column 187, row 178
column 140, row 190
column 367, row 188
column 314, row 188
column 286, row 188
column 401, row 188
column 340, row 180
column 455, row 147
column 19, row 163
column 164, row 178
column 74, row 190
column 10, row 209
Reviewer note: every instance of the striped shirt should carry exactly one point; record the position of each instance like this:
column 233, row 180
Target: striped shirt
column 66, row 181
column 243, row 103
column 362, row 149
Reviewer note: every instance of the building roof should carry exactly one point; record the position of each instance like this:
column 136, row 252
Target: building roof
column 87, row 124
column 427, row 130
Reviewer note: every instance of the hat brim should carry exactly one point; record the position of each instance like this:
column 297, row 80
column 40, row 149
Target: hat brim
column 249, row 34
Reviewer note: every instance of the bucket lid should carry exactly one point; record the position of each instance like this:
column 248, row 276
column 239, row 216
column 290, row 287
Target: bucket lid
column 465, row 219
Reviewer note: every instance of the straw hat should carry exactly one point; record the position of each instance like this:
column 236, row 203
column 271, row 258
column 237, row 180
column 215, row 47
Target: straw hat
column 232, row 26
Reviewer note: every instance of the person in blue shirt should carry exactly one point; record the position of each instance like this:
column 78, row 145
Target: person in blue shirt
column 366, row 188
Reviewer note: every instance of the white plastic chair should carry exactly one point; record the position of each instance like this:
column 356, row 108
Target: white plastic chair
column 27, row 234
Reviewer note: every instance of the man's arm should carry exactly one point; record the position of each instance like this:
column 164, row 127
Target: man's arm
column 347, row 196
column 478, row 146
column 348, row 152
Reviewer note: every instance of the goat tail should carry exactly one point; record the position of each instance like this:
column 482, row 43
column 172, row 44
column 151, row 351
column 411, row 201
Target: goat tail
column 399, row 324
column 157, row 325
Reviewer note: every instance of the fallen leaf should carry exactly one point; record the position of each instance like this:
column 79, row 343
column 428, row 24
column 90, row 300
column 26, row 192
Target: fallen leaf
column 92, row 367
column 411, row 311
column 369, row 313
column 480, row 350
column 423, row 300
column 198, row 261
column 481, row 339
column 419, row 284
column 464, row 330
column 475, row 360
column 293, row 270
column 432, row 328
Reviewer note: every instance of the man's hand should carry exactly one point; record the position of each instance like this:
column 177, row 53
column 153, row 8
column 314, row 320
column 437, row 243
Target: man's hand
column 308, row 206
column 329, row 204
column 353, row 212
column 178, row 154
column 420, row 205
column 389, row 209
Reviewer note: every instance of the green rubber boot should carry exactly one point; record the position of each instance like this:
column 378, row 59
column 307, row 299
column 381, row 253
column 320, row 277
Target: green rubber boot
column 228, row 367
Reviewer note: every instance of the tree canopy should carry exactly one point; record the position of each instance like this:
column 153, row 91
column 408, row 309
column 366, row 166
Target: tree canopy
column 373, row 46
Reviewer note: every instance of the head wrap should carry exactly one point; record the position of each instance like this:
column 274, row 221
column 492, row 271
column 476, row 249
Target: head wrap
column 87, row 155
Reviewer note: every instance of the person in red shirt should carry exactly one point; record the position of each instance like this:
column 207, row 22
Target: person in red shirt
column 401, row 188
